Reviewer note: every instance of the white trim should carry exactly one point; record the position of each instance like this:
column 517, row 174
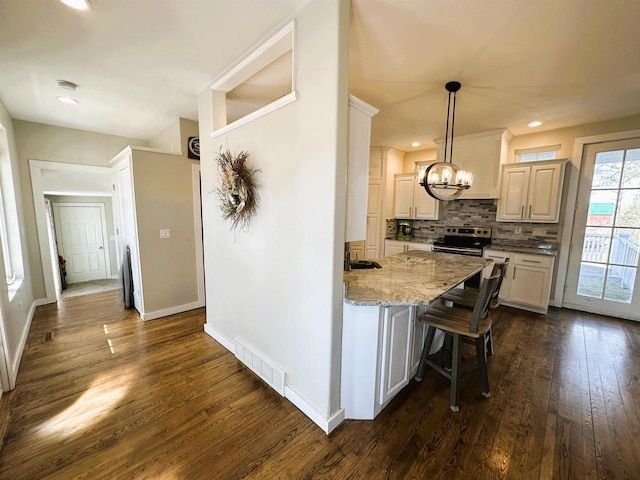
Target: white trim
column 15, row 364
column 197, row 227
column 103, row 223
column 363, row 106
column 579, row 146
column 221, row 339
column 36, row 167
column 269, row 51
column 171, row 310
column 327, row 424
column 273, row 106
column 78, row 193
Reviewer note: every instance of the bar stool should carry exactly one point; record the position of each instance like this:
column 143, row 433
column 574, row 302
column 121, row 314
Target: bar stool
column 466, row 298
column 459, row 324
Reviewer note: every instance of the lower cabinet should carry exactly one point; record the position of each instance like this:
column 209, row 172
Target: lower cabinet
column 527, row 282
column 391, row 247
column 381, row 349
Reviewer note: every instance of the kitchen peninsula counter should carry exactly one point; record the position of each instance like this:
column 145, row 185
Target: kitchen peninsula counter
column 412, row 278
column 382, row 337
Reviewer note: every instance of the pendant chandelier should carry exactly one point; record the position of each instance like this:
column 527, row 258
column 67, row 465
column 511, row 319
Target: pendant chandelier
column 444, row 180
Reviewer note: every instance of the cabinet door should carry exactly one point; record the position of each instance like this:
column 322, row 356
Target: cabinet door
column 391, row 247
column 373, row 206
column 545, row 193
column 403, row 196
column 357, row 251
column 397, row 336
column 424, row 247
column 425, row 206
column 513, row 193
column 530, row 285
column 372, row 249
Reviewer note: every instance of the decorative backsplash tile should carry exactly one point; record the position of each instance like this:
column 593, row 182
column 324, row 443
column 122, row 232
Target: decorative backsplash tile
column 481, row 213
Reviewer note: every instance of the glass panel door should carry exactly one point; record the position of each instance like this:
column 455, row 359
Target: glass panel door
column 606, row 238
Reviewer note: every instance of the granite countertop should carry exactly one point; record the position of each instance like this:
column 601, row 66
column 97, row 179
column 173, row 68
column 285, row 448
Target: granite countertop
column 411, row 278
column 539, row 249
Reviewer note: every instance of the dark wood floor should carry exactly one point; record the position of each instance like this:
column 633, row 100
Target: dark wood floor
column 102, row 395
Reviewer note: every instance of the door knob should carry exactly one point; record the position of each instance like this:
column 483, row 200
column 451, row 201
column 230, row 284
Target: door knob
column 100, row 247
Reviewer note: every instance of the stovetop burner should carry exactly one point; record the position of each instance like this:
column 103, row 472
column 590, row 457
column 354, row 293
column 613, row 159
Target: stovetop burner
column 464, row 240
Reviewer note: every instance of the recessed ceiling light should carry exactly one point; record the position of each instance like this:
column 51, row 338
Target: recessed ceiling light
column 66, row 99
column 77, row 4
column 415, row 144
column 535, row 124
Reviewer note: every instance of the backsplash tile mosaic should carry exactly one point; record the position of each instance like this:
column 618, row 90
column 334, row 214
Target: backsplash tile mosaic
column 482, row 213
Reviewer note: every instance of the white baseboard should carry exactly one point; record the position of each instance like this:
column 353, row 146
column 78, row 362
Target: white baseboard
column 171, row 311
column 221, row 339
column 15, row 363
column 327, row 424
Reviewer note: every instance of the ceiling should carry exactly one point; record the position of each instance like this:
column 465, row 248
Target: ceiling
column 563, row 62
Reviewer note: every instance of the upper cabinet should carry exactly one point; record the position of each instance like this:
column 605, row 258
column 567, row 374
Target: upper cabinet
column 531, row 192
column 360, row 114
column 481, row 154
column 410, row 200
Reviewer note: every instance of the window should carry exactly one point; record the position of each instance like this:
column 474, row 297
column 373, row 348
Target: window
column 9, row 230
column 537, row 154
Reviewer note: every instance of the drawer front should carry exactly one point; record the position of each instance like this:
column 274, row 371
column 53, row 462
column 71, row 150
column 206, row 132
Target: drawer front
column 541, row 261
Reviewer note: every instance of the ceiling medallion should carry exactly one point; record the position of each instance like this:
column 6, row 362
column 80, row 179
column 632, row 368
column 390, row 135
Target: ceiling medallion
column 445, row 180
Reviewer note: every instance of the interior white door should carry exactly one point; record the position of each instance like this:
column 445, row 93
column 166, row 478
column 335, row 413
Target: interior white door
column 81, row 241
column 605, row 246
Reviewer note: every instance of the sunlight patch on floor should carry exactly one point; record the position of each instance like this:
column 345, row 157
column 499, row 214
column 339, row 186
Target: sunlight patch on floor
column 96, row 403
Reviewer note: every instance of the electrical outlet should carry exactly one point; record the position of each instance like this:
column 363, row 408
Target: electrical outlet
column 518, row 230
column 165, row 233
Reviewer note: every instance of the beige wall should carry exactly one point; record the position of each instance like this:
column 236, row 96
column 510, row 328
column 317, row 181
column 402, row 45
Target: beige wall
column 164, row 199
column 36, row 141
column 174, row 138
column 411, row 158
column 278, row 286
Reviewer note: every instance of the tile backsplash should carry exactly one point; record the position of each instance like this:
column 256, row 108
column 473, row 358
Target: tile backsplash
column 481, row 213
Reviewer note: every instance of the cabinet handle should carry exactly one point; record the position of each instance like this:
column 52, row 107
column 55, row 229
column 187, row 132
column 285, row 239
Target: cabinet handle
column 524, row 260
column 529, row 216
column 415, row 212
column 514, row 273
column 522, row 212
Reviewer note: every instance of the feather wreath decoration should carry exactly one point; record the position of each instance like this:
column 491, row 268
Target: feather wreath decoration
column 238, row 191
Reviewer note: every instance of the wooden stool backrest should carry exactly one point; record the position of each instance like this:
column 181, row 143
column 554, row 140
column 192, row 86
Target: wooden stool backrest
column 499, row 268
column 481, row 308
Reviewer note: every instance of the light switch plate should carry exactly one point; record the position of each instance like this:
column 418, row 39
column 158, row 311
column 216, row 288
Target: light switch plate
column 165, row 233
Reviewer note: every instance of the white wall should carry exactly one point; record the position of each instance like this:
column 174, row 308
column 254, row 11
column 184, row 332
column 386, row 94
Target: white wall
column 36, row 141
column 17, row 312
column 279, row 286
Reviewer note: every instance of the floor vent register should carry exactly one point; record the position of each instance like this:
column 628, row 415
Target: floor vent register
column 272, row 374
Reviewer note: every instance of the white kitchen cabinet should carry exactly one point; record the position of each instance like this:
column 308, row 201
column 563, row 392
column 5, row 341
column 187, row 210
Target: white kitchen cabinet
column 482, row 154
column 360, row 114
column 357, row 250
column 391, row 247
column 530, row 282
column 527, row 282
column 381, row 349
column 531, row 192
column 410, row 200
column 397, row 339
